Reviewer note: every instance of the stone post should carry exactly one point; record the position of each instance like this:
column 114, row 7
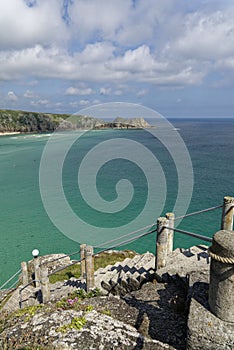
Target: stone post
column 45, row 285
column 37, row 272
column 161, row 247
column 24, row 269
column 227, row 214
column 89, row 268
column 82, row 257
column 221, row 289
column 170, row 240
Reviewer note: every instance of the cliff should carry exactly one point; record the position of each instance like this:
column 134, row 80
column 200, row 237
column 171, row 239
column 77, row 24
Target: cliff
column 21, row 121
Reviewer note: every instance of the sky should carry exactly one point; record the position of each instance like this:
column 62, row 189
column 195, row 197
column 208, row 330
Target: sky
column 174, row 56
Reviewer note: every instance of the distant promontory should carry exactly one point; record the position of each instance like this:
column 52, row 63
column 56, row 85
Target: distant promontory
column 35, row 122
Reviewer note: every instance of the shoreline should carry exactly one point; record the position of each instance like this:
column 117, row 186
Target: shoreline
column 8, row 133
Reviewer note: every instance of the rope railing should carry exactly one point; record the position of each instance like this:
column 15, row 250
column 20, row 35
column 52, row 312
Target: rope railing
column 21, row 290
column 126, row 235
column 132, row 239
column 198, row 212
column 126, row 241
column 60, row 258
column 165, row 234
column 188, row 233
column 64, row 267
column 104, row 250
column 99, row 246
column 10, row 279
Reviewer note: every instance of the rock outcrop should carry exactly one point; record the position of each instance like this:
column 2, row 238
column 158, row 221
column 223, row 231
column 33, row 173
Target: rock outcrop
column 170, row 312
column 21, row 121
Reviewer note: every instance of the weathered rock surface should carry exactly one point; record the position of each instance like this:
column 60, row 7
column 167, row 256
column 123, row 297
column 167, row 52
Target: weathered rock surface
column 170, row 314
column 134, row 122
column 205, row 330
column 48, row 328
column 146, row 319
column 51, row 261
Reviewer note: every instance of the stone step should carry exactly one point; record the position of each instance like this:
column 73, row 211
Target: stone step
column 4, row 293
column 117, row 266
column 63, row 289
column 183, row 262
column 19, row 299
column 129, row 277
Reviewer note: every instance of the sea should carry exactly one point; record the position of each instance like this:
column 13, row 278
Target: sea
column 37, row 207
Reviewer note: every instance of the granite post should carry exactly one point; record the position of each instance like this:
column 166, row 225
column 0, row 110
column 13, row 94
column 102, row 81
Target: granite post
column 24, row 269
column 221, row 289
column 82, row 257
column 45, row 285
column 161, row 245
column 89, row 268
column 37, row 272
column 170, row 239
column 227, row 214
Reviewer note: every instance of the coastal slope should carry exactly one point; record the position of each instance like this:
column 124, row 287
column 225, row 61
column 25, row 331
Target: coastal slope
column 28, row 122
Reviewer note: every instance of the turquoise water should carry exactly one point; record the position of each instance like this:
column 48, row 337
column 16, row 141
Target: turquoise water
column 25, row 224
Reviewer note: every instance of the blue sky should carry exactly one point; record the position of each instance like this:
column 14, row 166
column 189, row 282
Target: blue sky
column 175, row 56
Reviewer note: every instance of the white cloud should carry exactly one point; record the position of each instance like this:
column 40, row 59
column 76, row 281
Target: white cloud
column 77, row 91
column 84, row 102
column 136, row 60
column 30, row 94
column 142, row 93
column 206, row 36
column 40, row 103
column 12, row 96
column 99, row 18
column 22, row 26
column 138, row 65
column 109, row 43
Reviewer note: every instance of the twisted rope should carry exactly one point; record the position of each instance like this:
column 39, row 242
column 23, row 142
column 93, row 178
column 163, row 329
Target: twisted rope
column 220, row 258
column 198, row 212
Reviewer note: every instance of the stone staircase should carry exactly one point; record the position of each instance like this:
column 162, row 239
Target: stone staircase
column 185, row 265
column 118, row 279
column 126, row 276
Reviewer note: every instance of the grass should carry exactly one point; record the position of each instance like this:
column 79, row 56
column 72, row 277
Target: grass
column 100, row 260
column 71, row 271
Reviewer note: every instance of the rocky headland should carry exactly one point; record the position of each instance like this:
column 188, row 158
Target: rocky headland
column 12, row 121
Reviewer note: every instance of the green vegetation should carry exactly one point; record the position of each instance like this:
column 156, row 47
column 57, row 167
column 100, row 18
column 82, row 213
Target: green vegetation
column 100, row 260
column 105, row 258
column 28, row 311
column 34, row 122
column 75, row 298
column 71, row 271
column 77, row 323
column 106, row 312
column 28, row 122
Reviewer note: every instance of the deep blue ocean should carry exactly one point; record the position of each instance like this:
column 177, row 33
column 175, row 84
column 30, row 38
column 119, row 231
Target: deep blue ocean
column 25, row 223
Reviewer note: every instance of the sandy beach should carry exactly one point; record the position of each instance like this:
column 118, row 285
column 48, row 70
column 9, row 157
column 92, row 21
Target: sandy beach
column 9, row 133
